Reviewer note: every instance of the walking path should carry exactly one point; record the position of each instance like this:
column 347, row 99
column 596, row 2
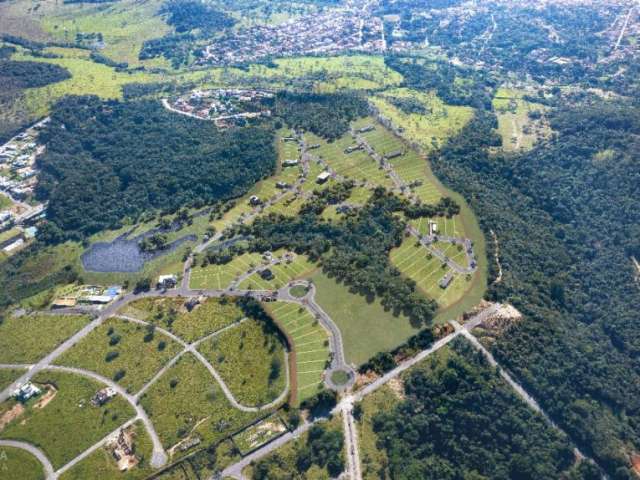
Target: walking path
column 36, row 452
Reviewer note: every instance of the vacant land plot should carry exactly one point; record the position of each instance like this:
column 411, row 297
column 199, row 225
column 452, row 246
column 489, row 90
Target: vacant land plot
column 287, row 456
column 7, row 377
column 28, row 338
column 283, row 273
column 218, row 277
column 429, row 128
column 374, row 461
column 210, row 315
column 251, row 359
column 187, row 402
column 102, row 465
column 450, row 227
column 16, row 463
column 311, row 345
column 127, row 352
column 366, row 327
column 417, row 263
column 203, row 464
column 69, row 423
column 257, row 435
column 519, row 130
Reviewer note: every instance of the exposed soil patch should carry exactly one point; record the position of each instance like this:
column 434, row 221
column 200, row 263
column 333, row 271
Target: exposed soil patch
column 397, row 387
column 47, row 397
column 10, row 415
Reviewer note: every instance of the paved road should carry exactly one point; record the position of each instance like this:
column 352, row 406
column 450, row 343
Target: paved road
column 466, row 243
column 36, row 452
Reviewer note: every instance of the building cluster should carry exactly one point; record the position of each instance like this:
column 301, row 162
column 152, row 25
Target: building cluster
column 26, row 392
column 88, row 295
column 123, row 450
column 18, row 178
column 225, row 107
column 333, row 31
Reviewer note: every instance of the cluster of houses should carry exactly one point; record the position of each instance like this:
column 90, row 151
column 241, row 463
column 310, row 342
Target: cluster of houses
column 226, row 107
column 88, row 296
column 26, row 392
column 351, row 28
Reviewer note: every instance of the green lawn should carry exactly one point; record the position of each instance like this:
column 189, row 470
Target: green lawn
column 310, row 343
column 366, row 327
column 187, row 401
column 218, row 277
column 27, row 339
column 5, row 202
column 251, row 360
column 69, row 424
column 518, row 131
column 140, row 353
column 101, row 463
column 16, row 464
column 171, row 314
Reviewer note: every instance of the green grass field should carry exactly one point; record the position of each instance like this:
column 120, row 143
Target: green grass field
column 430, row 130
column 139, row 355
column 101, row 463
column 366, row 327
column 283, row 274
column 15, row 463
column 251, row 361
column 170, row 313
column 5, row 202
column 68, row 424
column 518, row 131
column 7, row 377
column 310, row 343
column 218, row 277
column 187, row 401
column 28, row 338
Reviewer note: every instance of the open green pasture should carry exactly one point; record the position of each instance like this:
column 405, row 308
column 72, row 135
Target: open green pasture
column 8, row 376
column 140, row 352
column 365, row 326
column 68, row 424
column 450, row 227
column 251, row 360
column 187, row 402
column 209, row 316
column 101, row 464
column 310, row 342
column 28, row 338
column 519, row 132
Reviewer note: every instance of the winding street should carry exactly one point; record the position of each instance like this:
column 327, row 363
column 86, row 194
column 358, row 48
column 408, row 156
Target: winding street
column 36, row 452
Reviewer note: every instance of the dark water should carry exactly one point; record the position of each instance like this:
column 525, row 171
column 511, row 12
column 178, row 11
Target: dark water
column 123, row 255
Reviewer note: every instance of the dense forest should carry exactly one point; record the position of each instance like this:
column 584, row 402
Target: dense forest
column 187, row 15
column 326, row 115
column 567, row 222
column 460, row 420
column 106, row 161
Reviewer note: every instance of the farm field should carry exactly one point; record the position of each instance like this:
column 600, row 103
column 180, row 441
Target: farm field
column 251, row 360
column 519, row 132
column 219, row 277
column 210, row 315
column 101, row 464
column 138, row 353
column 366, row 327
column 310, row 343
column 28, row 338
column 19, row 464
column 283, row 273
column 430, row 129
column 187, row 402
column 68, row 416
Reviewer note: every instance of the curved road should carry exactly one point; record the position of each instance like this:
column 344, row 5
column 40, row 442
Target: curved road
column 159, row 457
column 36, row 452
